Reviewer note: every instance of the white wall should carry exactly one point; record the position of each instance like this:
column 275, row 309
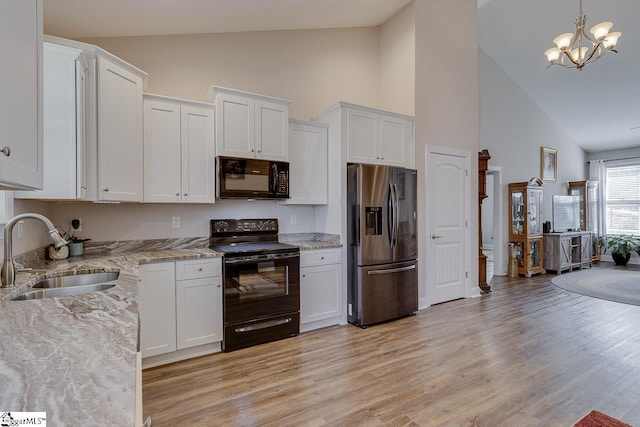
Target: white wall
column 397, row 62
column 513, row 128
column 313, row 68
column 446, row 99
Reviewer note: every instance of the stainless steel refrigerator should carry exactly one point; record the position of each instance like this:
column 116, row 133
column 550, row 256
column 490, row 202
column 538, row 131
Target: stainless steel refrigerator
column 383, row 245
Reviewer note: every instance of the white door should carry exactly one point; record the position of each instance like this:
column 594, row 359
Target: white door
column 447, row 218
column 271, row 130
column 362, row 137
column 161, row 151
column 392, row 141
column 120, row 141
column 235, row 126
column 157, row 308
column 21, row 156
column 198, row 168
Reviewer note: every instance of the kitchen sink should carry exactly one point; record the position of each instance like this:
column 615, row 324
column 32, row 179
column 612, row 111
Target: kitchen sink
column 73, row 284
column 77, row 280
column 62, row 291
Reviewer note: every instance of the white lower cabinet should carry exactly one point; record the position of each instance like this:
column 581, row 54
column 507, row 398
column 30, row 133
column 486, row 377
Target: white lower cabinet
column 198, row 311
column 180, row 306
column 320, row 288
column 157, row 307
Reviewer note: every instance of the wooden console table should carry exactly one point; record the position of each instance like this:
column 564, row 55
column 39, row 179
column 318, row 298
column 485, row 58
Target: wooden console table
column 567, row 251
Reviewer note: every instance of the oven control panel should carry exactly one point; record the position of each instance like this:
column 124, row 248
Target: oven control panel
column 244, row 225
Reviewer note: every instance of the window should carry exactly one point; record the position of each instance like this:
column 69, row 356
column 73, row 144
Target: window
column 623, row 199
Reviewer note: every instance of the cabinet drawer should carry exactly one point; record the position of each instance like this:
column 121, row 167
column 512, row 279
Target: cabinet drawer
column 198, row 268
column 320, row 257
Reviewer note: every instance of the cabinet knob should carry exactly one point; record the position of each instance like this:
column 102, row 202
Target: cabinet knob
column 381, row 158
column 105, row 189
column 259, row 151
column 219, row 286
column 177, row 194
column 6, row 150
column 321, row 257
column 304, row 275
column 252, row 150
column 185, row 194
column 378, row 158
column 200, row 269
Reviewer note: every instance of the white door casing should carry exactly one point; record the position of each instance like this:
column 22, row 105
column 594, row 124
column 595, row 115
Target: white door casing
column 447, row 233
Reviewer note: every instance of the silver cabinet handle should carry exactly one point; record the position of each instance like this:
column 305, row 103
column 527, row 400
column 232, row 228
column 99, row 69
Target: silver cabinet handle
column 6, row 150
column 105, row 189
column 435, row 236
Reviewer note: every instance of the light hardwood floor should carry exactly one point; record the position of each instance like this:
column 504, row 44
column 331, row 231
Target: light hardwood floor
column 527, row 354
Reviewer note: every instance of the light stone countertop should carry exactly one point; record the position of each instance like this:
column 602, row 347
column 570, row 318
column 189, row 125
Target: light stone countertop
column 75, row 357
column 311, row 241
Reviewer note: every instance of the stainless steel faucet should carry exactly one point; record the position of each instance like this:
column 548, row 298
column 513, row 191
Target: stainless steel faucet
column 8, row 273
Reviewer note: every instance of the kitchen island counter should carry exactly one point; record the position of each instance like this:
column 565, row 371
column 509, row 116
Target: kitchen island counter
column 75, row 357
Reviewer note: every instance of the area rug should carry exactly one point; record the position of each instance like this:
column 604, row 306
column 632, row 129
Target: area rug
column 598, row 419
column 613, row 285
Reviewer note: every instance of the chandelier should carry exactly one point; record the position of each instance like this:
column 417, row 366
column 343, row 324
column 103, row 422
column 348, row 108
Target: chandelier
column 579, row 49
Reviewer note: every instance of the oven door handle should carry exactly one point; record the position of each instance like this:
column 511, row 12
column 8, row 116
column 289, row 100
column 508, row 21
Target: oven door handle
column 260, row 258
column 263, row 325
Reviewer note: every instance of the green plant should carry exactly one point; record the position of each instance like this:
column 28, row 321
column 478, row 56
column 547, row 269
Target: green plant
column 623, row 245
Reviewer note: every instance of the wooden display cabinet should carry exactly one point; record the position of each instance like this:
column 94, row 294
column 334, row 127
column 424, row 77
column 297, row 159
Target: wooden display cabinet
column 525, row 225
column 587, row 191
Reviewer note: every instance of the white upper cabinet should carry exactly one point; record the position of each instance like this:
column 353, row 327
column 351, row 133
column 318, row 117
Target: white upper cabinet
column 178, row 151
column 119, row 113
column 63, row 123
column 250, row 125
column 308, row 168
column 378, row 137
column 21, row 148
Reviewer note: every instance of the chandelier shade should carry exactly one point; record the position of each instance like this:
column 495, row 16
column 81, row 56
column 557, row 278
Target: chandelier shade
column 575, row 50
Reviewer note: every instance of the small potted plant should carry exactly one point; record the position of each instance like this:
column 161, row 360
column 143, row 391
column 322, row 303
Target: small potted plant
column 621, row 248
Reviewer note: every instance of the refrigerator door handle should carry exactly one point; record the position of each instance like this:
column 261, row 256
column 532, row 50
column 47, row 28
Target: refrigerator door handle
column 392, row 270
column 396, row 214
column 390, row 216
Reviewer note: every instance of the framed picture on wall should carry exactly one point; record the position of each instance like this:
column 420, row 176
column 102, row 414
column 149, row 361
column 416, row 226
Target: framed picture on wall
column 549, row 164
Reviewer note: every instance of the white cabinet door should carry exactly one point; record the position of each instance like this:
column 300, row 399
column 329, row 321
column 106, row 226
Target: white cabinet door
column 198, row 157
column 362, row 139
column 162, row 170
column 21, row 149
column 320, row 292
column 271, row 130
column 120, row 163
column 308, row 168
column 234, row 126
column 393, row 141
column 157, row 308
column 198, row 311
column 63, row 131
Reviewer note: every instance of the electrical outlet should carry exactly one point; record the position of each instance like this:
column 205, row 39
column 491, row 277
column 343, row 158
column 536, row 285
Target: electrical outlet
column 20, row 229
column 76, row 224
column 293, row 219
column 175, row 222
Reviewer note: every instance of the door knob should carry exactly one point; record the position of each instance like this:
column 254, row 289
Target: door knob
column 435, row 236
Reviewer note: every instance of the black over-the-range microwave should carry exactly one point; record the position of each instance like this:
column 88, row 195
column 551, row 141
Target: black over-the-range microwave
column 252, row 179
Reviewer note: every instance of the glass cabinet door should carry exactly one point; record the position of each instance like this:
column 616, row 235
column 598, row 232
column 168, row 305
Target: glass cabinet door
column 579, row 192
column 517, row 214
column 535, row 259
column 534, row 213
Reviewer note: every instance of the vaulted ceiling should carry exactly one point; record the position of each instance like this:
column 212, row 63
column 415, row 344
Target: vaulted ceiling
column 599, row 107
